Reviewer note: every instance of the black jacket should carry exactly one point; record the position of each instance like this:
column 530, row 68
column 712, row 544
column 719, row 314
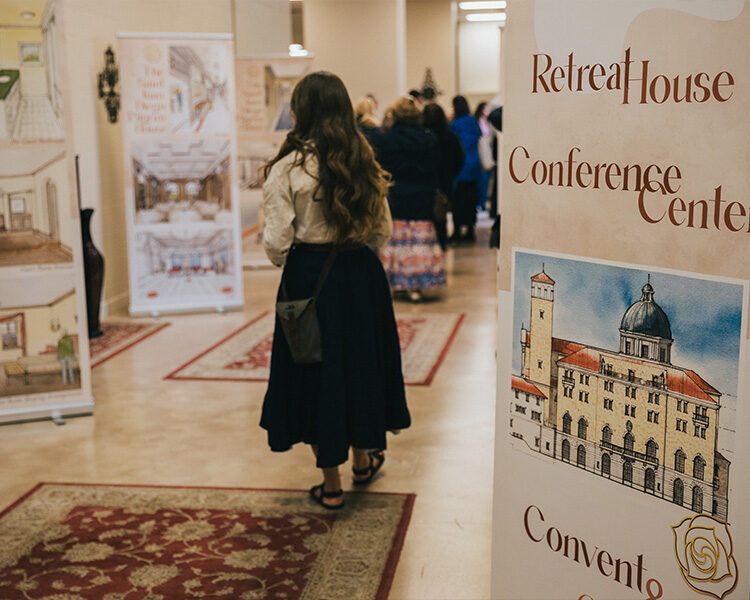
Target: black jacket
column 450, row 159
column 409, row 154
column 371, row 133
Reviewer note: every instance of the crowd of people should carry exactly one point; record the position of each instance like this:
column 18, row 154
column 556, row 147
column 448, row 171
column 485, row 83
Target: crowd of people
column 438, row 168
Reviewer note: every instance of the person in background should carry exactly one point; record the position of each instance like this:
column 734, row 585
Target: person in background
column 324, row 191
column 364, row 111
column 480, row 114
column 495, row 119
column 417, row 95
column 413, row 259
column 450, row 159
column 466, row 196
column 66, row 354
column 374, row 99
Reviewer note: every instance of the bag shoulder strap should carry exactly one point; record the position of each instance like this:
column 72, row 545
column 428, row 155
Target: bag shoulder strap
column 321, row 278
column 324, row 273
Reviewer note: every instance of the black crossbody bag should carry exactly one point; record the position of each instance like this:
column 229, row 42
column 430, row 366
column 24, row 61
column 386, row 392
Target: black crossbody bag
column 299, row 320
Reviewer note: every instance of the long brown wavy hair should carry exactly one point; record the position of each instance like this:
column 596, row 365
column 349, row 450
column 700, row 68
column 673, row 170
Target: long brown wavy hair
column 351, row 184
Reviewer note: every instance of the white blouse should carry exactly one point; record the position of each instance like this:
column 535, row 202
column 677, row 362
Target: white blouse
column 292, row 214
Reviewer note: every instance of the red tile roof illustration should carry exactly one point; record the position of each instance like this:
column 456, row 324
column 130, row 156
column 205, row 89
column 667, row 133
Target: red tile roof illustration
column 543, row 277
column 565, row 346
column 525, row 386
column 702, row 383
column 680, row 382
column 586, row 358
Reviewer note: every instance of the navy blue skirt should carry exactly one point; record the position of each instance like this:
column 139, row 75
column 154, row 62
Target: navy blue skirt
column 356, row 394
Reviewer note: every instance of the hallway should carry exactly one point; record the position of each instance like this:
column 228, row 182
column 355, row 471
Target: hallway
column 148, row 430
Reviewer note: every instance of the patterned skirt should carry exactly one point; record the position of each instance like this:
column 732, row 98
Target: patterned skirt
column 412, row 258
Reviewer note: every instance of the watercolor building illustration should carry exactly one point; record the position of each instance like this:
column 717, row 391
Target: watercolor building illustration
column 627, row 414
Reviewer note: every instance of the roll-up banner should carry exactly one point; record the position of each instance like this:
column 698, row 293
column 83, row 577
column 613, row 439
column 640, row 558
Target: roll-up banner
column 264, row 117
column 623, row 426
column 181, row 192
column 44, row 356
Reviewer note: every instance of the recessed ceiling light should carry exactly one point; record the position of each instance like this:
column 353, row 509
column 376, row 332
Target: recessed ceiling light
column 28, row 14
column 297, row 50
column 486, row 17
column 483, row 5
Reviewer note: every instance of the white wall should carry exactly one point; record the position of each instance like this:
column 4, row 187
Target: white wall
column 431, row 42
column 479, row 59
column 362, row 41
column 262, row 27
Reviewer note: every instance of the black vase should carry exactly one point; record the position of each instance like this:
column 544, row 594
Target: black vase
column 93, row 268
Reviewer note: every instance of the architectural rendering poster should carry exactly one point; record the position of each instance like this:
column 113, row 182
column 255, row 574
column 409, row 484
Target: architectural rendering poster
column 264, row 117
column 623, row 427
column 44, row 366
column 181, row 190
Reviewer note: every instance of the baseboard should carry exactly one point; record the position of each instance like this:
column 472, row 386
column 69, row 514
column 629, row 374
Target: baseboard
column 116, row 304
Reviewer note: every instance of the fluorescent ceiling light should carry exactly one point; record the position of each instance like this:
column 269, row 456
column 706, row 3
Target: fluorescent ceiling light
column 483, row 5
column 28, row 14
column 486, row 17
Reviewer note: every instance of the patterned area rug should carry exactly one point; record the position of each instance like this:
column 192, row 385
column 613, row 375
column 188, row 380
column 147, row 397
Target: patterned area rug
column 84, row 542
column 245, row 355
column 119, row 336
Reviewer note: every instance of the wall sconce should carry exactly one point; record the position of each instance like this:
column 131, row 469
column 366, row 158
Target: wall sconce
column 107, row 83
column 54, row 324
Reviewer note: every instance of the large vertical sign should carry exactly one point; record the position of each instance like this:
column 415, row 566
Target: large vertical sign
column 264, row 117
column 44, row 362
column 180, row 171
column 623, row 417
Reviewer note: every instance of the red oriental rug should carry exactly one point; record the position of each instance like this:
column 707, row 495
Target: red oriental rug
column 119, row 336
column 113, row 542
column 245, row 355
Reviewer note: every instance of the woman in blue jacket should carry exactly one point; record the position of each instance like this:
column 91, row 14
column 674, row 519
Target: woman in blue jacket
column 466, row 196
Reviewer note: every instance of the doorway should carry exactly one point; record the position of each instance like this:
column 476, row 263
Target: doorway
column 54, row 220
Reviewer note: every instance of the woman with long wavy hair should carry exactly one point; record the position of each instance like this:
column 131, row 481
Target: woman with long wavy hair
column 324, row 192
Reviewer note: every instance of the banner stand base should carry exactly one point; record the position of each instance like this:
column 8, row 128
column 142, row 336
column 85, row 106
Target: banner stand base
column 56, row 414
column 181, row 310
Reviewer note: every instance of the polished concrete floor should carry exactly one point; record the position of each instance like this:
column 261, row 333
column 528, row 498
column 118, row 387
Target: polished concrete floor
column 150, row 431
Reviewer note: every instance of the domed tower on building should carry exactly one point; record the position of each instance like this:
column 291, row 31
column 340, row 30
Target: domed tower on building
column 645, row 331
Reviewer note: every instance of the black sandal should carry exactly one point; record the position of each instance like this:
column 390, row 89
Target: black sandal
column 318, row 497
column 376, row 461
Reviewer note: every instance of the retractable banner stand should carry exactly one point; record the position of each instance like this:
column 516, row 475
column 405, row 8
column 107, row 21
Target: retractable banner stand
column 180, row 172
column 623, row 415
column 44, row 356
column 264, row 117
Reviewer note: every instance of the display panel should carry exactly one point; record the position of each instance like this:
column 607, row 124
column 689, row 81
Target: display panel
column 44, row 365
column 623, row 446
column 264, row 117
column 181, row 187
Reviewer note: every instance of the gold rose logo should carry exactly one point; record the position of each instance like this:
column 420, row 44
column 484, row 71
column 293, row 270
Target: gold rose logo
column 703, row 547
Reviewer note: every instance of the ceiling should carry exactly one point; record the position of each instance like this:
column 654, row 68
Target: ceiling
column 18, row 162
column 25, row 291
column 181, row 158
column 10, row 12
